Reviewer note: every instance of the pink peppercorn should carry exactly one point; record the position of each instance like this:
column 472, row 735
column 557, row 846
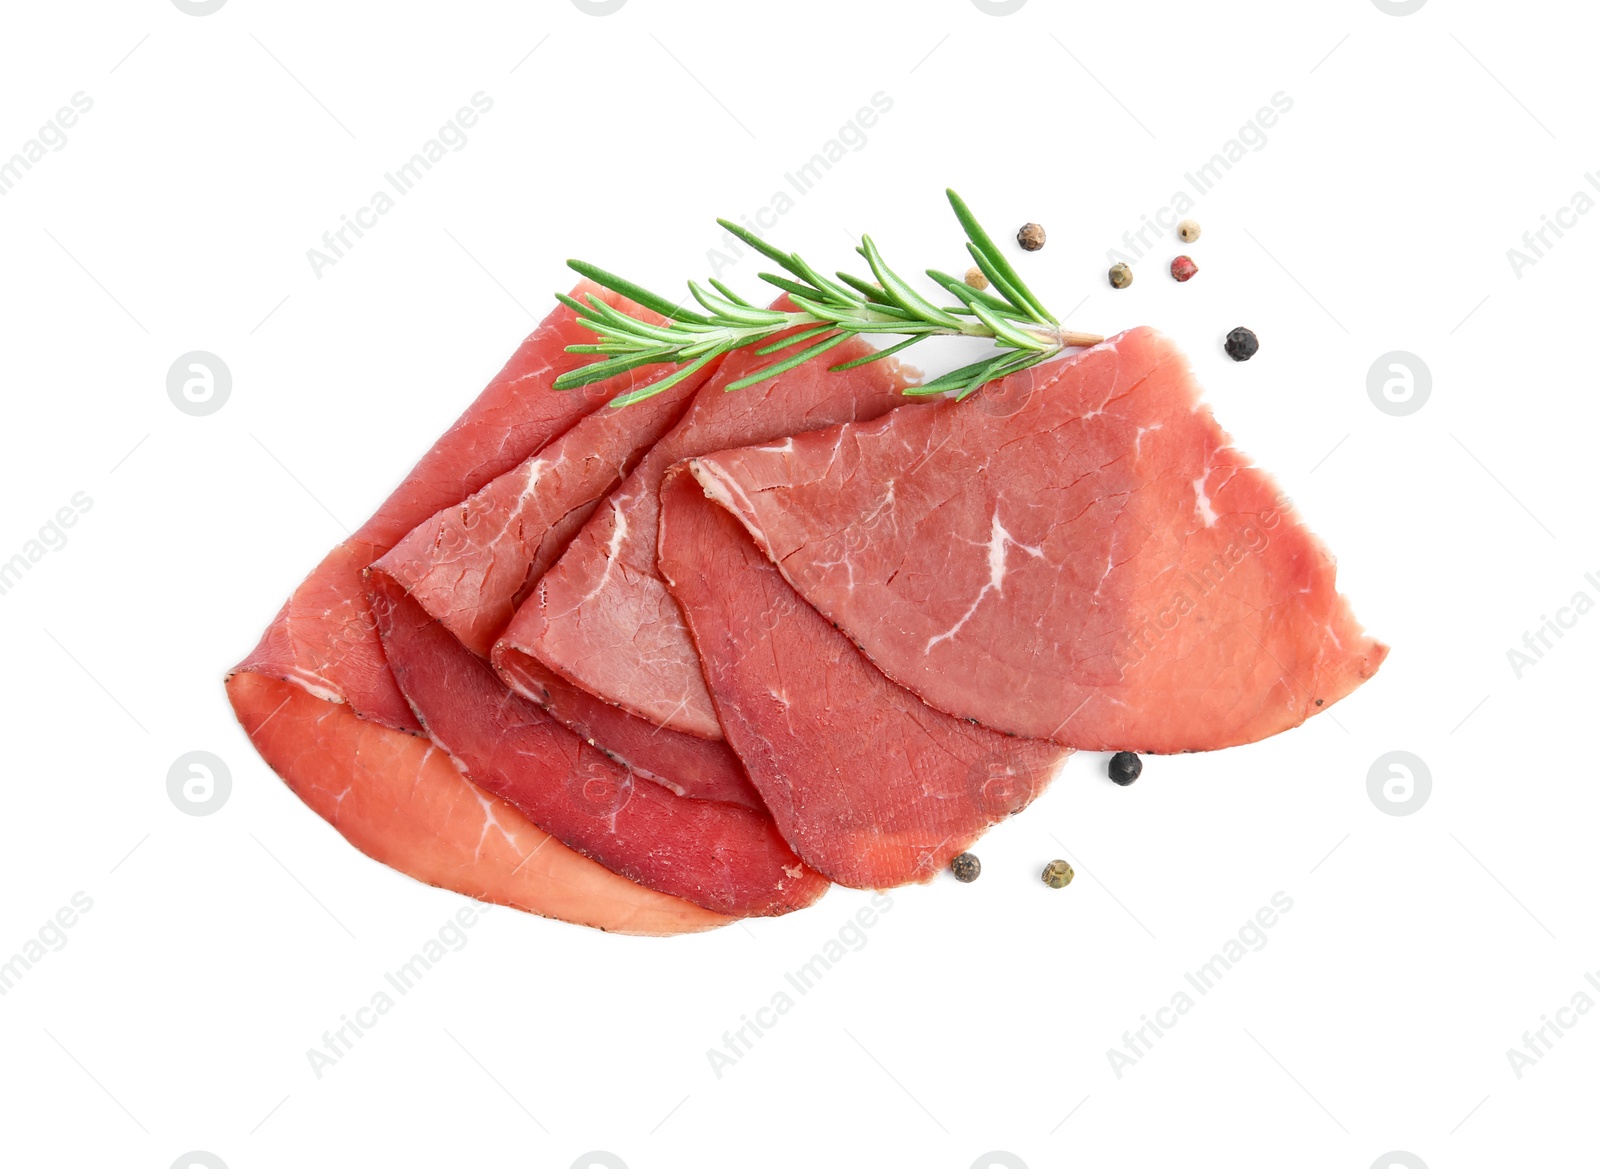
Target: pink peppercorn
column 1183, row 268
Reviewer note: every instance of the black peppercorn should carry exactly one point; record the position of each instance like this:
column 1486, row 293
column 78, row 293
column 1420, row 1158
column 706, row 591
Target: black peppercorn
column 1242, row 344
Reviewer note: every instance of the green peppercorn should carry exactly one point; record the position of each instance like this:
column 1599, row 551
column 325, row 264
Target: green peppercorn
column 1031, row 237
column 1120, row 275
column 1058, row 874
column 966, row 868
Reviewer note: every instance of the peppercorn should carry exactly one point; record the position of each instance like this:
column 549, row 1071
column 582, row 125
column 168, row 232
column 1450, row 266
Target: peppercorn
column 1183, row 268
column 966, row 868
column 1242, row 344
column 1120, row 275
column 1031, row 237
column 1125, row 768
column 1058, row 874
column 976, row 279
column 1188, row 231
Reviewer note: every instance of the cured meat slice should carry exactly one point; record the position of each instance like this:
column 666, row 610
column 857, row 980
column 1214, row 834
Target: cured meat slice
column 706, row 769
column 473, row 563
column 323, row 638
column 1078, row 554
column 869, row 784
column 601, row 618
column 726, row 858
column 324, row 645
column 401, row 801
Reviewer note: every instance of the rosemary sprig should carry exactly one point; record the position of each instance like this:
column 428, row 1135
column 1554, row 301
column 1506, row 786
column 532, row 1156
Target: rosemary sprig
column 826, row 312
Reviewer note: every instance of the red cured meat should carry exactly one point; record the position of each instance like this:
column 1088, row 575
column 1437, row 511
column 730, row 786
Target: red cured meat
column 601, row 618
column 403, row 811
column 323, row 638
column 473, row 563
column 1079, row 554
column 726, row 858
column 401, row 801
column 869, row 784
column 706, row 769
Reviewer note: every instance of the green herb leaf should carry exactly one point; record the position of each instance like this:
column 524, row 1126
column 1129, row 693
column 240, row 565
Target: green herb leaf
column 826, row 311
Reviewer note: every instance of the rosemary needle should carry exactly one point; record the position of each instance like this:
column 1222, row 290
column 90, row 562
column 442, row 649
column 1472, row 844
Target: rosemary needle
column 826, row 312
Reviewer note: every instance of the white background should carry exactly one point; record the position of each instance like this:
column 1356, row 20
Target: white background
column 1377, row 217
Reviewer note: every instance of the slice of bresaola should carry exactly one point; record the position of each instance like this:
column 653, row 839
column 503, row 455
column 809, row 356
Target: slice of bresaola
column 471, row 564
column 602, row 618
column 400, row 800
column 1080, row 553
column 869, row 784
column 317, row 698
column 726, row 858
column 706, row 769
column 323, row 638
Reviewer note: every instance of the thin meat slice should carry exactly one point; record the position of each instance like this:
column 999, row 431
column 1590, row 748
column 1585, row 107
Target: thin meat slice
column 324, row 645
column 870, row 785
column 472, row 563
column 1079, row 553
column 726, row 858
column 323, row 638
column 601, row 618
column 706, row 769
column 401, row 801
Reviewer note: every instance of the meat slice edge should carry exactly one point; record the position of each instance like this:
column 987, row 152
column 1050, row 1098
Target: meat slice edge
column 727, row 858
column 324, row 645
column 706, row 769
column 323, row 638
column 472, row 563
column 401, row 801
column 1079, row 553
column 601, row 618
column 870, row 785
